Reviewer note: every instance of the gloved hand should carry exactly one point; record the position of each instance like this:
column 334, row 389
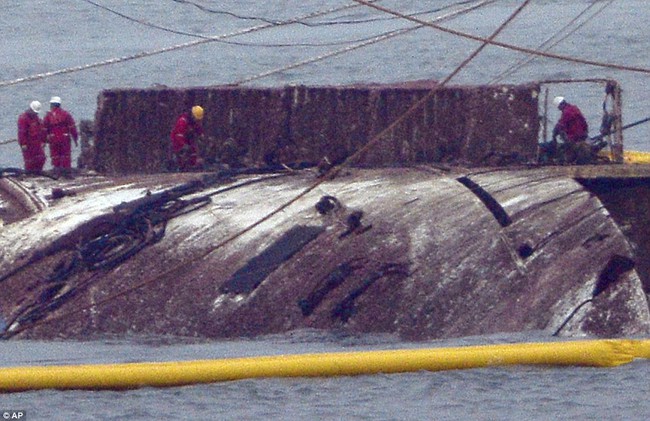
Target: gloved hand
column 556, row 133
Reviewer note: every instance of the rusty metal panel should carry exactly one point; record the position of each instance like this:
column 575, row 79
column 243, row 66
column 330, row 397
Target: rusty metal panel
column 468, row 125
column 259, row 124
column 311, row 121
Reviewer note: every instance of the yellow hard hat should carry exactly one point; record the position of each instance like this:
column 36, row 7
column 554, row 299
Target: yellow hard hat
column 197, row 112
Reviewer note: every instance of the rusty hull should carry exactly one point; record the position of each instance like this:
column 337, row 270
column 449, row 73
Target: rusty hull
column 417, row 252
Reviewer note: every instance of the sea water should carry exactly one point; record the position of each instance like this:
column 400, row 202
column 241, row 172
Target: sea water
column 42, row 36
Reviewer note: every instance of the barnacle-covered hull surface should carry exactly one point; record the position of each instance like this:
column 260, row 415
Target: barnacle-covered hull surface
column 416, row 252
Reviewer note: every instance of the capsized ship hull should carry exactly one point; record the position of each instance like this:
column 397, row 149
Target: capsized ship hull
column 417, row 252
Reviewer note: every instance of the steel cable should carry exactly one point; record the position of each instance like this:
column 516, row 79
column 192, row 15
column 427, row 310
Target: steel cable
column 374, row 40
column 168, row 49
column 331, row 174
column 552, row 41
column 276, row 45
column 120, row 242
column 268, row 25
column 316, row 24
column 506, row 45
column 140, row 227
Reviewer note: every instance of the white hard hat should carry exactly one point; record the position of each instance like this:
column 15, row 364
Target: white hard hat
column 35, row 106
column 558, row 100
column 55, row 100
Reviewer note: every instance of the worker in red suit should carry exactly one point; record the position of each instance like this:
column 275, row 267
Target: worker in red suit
column 572, row 126
column 573, row 130
column 61, row 129
column 31, row 138
column 184, row 136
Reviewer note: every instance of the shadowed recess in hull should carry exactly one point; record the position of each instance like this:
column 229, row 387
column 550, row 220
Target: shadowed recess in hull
column 488, row 200
column 333, row 280
column 616, row 266
column 346, row 308
column 247, row 278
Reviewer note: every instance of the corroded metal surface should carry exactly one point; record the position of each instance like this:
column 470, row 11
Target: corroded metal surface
column 628, row 201
column 471, row 125
column 420, row 253
column 15, row 203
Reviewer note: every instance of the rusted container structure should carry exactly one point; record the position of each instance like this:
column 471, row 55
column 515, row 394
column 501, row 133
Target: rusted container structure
column 468, row 125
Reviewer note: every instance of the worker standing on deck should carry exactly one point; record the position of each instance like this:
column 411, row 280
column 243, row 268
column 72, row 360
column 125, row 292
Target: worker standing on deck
column 184, row 136
column 31, row 138
column 572, row 128
column 60, row 128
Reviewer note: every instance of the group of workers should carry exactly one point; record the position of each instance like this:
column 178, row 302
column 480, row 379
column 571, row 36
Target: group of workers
column 58, row 129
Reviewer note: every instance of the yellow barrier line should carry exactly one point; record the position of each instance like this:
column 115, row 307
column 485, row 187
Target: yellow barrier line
column 597, row 353
column 630, row 157
column 636, row 157
column 641, row 348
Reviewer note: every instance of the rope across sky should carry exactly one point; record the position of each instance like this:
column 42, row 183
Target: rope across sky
column 505, row 45
column 169, row 49
column 299, row 19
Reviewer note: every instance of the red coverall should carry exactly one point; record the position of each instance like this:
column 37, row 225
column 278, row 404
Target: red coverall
column 572, row 123
column 184, row 134
column 31, row 137
column 60, row 126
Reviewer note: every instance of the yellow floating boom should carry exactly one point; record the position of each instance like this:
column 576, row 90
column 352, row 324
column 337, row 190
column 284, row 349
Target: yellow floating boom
column 597, row 353
column 630, row 157
column 636, row 157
